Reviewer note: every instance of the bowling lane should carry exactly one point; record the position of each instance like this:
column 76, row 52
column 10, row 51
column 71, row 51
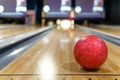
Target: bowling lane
column 12, row 30
column 52, row 59
column 6, row 26
column 109, row 29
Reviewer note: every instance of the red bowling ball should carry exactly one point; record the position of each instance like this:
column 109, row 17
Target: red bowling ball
column 90, row 52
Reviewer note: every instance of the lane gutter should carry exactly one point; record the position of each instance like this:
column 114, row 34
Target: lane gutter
column 109, row 37
column 10, row 52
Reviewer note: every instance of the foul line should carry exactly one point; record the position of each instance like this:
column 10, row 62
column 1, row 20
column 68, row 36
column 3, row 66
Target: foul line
column 61, row 74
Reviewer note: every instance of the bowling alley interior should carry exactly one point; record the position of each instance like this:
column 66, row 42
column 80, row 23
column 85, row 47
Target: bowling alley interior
column 59, row 39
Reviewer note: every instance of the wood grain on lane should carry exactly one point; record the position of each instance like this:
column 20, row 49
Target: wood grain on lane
column 15, row 30
column 52, row 59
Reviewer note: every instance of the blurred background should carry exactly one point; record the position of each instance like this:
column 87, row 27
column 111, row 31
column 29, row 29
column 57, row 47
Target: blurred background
column 40, row 11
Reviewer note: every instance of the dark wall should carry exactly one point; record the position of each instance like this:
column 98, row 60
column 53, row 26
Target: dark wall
column 112, row 8
column 37, row 6
column 30, row 4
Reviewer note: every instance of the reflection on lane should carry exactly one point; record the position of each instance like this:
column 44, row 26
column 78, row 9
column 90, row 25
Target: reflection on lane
column 47, row 68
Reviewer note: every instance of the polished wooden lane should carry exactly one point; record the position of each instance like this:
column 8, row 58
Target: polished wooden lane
column 111, row 30
column 3, row 26
column 52, row 59
column 12, row 30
